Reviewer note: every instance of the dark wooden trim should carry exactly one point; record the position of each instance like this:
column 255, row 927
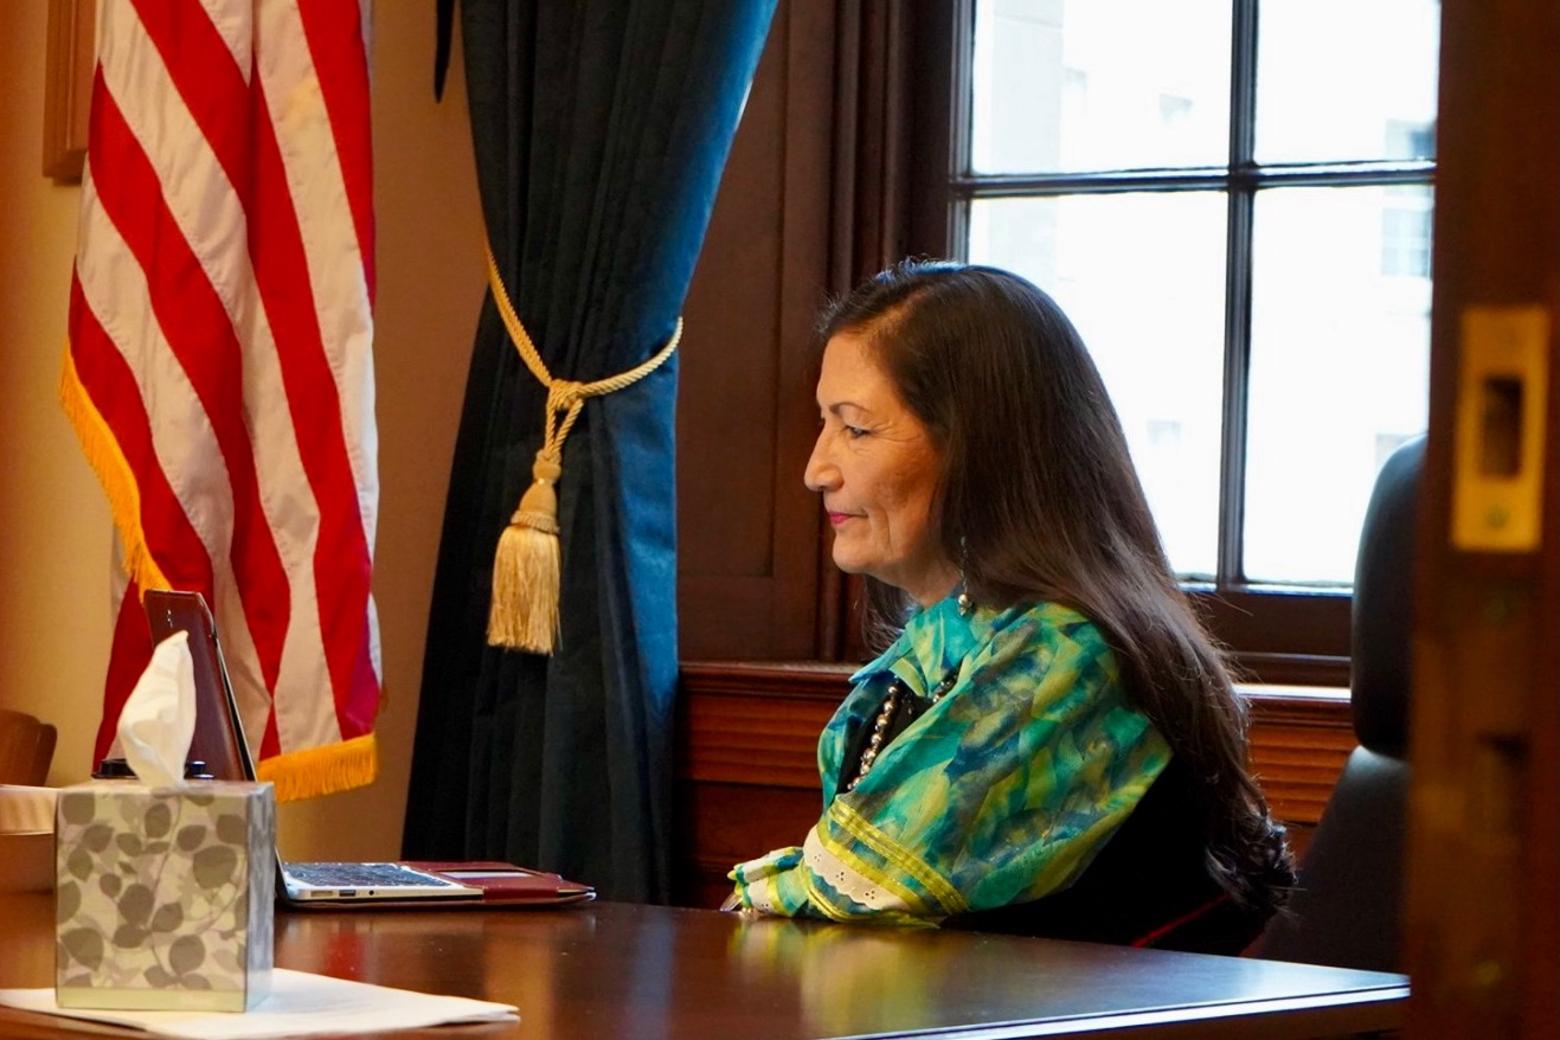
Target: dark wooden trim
column 821, row 680
column 930, row 162
column 67, row 92
column 1239, row 204
column 1278, row 622
column 1324, row 670
column 1233, row 397
column 958, row 58
column 1323, row 708
column 804, row 267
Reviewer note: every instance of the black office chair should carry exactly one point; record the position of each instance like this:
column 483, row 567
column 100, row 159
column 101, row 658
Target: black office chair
column 1346, row 910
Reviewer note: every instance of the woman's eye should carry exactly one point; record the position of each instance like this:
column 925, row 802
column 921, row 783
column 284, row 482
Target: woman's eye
column 855, row 432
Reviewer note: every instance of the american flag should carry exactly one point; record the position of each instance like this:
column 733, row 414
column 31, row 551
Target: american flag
column 219, row 370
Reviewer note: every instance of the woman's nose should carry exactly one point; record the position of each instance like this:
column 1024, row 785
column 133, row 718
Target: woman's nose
column 821, row 474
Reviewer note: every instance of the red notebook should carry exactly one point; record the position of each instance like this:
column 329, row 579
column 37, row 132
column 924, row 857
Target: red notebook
column 508, row 884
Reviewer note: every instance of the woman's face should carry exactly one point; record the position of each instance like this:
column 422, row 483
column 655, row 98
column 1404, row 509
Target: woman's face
column 877, row 469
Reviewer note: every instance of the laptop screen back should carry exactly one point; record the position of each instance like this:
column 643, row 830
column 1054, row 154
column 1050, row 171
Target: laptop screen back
column 219, row 729
column 220, row 743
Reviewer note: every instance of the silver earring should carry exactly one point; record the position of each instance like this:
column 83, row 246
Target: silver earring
column 965, row 603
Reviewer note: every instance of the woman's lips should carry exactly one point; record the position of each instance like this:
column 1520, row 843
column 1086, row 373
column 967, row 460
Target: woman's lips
column 839, row 518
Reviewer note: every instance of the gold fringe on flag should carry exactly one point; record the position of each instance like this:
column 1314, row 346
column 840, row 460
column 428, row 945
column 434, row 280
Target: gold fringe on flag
column 523, row 614
column 322, row 770
column 113, row 471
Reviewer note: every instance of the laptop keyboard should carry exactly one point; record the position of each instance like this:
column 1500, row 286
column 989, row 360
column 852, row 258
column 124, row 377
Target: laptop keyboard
column 361, row 875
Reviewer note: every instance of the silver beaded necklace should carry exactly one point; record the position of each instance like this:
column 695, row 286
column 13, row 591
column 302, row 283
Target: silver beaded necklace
column 885, row 716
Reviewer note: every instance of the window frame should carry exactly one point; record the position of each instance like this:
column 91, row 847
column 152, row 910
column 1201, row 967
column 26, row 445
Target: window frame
column 1278, row 633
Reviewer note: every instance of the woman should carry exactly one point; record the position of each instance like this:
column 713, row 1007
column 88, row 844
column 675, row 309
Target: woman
column 1051, row 744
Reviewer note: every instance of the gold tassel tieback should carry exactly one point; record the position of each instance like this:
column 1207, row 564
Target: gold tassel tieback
column 523, row 614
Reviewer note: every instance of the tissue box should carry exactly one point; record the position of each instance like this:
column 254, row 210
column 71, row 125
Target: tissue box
column 164, row 897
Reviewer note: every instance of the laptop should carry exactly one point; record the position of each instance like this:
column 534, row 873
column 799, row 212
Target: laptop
column 219, row 751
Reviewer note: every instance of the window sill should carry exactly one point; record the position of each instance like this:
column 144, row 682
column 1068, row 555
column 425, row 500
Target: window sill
column 829, row 679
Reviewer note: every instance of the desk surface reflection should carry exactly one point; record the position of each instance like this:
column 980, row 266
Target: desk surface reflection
column 619, row 970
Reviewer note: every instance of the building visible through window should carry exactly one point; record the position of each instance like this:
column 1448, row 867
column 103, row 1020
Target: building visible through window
column 1252, row 278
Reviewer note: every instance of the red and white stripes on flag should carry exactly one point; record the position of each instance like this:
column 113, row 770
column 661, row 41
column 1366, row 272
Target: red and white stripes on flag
column 219, row 372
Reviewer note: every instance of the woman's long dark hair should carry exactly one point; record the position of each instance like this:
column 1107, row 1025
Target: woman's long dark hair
column 1039, row 500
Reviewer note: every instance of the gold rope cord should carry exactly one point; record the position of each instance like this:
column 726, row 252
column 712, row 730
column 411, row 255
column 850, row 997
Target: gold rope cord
column 524, row 610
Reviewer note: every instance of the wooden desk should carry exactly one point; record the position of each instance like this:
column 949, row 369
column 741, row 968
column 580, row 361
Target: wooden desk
column 616, row 970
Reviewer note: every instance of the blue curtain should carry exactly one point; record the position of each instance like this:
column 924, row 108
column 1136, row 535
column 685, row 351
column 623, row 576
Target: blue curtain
column 600, row 129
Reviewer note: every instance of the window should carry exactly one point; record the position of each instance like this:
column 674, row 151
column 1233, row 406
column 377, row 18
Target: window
column 1232, row 200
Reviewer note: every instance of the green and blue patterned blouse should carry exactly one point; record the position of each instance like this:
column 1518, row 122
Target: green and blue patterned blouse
column 1000, row 793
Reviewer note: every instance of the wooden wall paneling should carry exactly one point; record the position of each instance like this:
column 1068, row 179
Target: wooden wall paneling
column 753, row 739
column 747, row 768
column 726, row 823
column 747, row 528
column 808, row 151
column 749, row 723
column 726, row 436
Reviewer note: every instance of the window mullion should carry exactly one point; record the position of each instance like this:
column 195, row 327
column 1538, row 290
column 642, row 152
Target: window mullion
column 1237, row 295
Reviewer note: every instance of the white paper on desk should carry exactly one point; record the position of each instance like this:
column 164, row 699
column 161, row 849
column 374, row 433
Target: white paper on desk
column 299, row 1004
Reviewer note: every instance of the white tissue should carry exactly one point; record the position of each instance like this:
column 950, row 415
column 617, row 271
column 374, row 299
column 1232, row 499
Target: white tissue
column 158, row 720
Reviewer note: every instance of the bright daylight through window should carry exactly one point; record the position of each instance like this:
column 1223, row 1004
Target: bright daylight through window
column 1233, row 203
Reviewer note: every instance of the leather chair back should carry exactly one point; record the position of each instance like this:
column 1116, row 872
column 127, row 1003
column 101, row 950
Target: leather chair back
column 1345, row 911
column 26, row 749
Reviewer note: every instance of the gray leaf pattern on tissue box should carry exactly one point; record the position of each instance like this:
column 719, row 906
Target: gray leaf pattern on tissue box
column 155, row 887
